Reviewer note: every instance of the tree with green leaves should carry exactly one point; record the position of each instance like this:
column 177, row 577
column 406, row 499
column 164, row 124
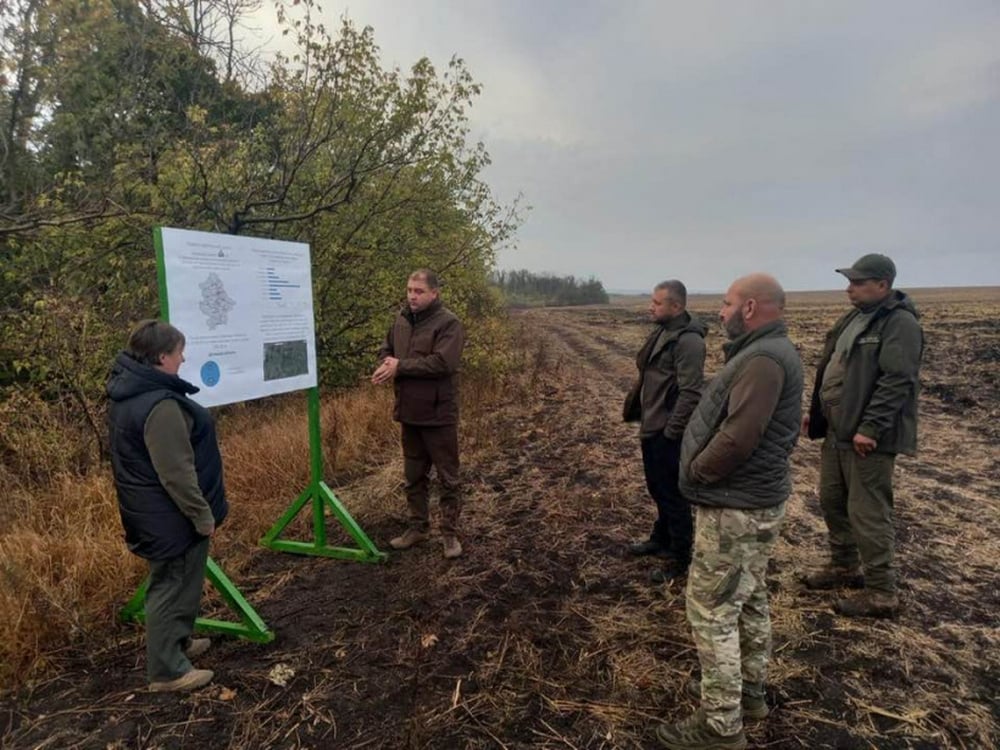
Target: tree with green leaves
column 522, row 287
column 121, row 115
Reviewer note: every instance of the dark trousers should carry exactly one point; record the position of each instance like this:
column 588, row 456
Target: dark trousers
column 424, row 447
column 856, row 497
column 672, row 529
column 172, row 602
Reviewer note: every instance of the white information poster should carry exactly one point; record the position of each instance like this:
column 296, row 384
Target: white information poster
column 244, row 305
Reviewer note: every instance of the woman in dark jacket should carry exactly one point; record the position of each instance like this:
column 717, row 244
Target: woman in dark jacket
column 168, row 475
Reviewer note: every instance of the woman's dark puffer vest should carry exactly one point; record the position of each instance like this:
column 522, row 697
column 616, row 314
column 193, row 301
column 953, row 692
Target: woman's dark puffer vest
column 155, row 528
column 763, row 480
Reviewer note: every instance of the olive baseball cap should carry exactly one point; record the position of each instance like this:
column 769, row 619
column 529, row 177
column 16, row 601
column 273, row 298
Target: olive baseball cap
column 871, row 266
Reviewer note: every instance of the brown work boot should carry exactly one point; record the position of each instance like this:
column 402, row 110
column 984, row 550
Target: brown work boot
column 452, row 547
column 869, row 603
column 192, row 680
column 753, row 702
column 408, row 538
column 834, row 577
column 694, row 733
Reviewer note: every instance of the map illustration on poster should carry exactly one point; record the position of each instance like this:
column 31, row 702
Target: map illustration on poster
column 245, row 307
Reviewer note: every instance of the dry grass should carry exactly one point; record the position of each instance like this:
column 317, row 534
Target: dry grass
column 265, row 451
column 64, row 566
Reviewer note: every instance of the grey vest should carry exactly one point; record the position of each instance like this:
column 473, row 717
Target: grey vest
column 154, row 526
column 763, row 480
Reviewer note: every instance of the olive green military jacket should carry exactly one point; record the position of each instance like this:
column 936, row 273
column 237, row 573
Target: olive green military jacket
column 881, row 379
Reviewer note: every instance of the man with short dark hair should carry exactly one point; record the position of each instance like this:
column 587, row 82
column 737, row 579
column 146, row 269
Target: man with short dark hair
column 864, row 406
column 671, row 370
column 421, row 356
column 735, row 471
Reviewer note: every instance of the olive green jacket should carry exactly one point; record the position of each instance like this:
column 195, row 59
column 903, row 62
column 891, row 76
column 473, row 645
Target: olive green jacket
column 881, row 379
column 671, row 368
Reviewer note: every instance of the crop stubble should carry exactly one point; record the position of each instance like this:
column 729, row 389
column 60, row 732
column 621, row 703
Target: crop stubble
column 545, row 634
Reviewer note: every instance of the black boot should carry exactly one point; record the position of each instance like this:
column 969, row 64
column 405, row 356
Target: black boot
column 649, row 547
column 672, row 571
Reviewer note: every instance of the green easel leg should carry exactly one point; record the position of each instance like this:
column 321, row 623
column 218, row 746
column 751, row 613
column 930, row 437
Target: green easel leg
column 322, row 497
column 251, row 628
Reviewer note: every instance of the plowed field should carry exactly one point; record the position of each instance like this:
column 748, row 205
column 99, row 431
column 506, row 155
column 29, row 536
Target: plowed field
column 545, row 634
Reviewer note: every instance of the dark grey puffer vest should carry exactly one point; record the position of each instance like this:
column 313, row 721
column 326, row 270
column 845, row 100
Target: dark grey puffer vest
column 155, row 528
column 764, row 479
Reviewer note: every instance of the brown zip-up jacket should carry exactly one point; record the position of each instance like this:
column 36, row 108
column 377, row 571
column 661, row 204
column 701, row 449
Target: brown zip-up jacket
column 429, row 348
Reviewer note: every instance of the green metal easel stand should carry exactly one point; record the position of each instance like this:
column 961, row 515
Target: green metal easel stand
column 322, row 497
column 252, row 627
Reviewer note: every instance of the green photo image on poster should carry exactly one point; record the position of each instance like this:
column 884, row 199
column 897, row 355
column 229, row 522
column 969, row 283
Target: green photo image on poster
column 285, row 359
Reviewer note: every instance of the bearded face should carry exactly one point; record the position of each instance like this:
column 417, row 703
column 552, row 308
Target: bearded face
column 735, row 326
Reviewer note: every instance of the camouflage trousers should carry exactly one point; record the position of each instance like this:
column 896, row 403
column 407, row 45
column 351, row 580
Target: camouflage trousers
column 727, row 606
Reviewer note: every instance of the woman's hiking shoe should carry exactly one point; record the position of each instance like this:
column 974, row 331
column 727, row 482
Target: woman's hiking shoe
column 192, row 680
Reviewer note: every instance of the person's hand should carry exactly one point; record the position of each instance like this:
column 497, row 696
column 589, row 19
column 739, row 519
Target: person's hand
column 864, row 445
column 210, row 531
column 386, row 371
column 805, row 423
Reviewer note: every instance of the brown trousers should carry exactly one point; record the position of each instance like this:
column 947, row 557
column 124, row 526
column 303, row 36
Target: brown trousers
column 422, row 448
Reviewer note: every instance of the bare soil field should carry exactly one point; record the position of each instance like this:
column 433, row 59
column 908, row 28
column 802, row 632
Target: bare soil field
column 545, row 634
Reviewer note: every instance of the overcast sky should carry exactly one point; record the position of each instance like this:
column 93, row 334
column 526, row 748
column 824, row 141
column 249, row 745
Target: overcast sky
column 706, row 139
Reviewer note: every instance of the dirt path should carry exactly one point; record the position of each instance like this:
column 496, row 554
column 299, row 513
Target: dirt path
column 545, row 635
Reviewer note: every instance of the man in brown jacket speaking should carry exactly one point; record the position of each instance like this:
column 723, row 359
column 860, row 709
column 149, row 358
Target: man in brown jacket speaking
column 671, row 368
column 421, row 356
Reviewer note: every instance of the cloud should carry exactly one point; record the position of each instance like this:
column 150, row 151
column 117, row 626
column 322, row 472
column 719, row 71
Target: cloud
column 959, row 72
column 714, row 138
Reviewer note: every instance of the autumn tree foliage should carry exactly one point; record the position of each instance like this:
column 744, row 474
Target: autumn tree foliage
column 120, row 115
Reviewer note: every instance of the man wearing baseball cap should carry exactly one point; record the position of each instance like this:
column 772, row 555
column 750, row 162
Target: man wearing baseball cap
column 864, row 406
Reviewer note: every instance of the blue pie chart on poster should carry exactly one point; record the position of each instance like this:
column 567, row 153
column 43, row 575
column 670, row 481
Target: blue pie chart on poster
column 210, row 373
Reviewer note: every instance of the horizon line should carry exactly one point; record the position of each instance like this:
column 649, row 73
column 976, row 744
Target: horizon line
column 638, row 292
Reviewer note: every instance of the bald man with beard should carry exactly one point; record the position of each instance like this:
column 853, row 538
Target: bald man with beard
column 735, row 472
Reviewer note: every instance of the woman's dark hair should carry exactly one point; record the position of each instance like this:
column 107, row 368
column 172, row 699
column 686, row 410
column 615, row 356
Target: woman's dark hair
column 151, row 339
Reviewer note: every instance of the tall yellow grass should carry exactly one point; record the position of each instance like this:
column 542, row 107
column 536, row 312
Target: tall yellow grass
column 65, row 570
